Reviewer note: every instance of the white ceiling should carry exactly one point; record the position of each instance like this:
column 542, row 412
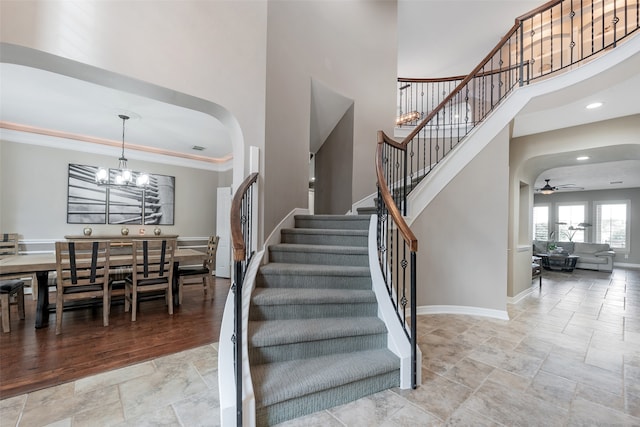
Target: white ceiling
column 52, row 104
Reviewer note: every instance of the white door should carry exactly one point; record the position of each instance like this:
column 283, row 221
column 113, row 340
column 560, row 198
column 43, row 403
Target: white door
column 223, row 225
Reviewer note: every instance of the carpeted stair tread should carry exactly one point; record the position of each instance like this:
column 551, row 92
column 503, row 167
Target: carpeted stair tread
column 340, row 231
column 321, row 236
column 280, row 332
column 327, row 249
column 288, row 296
column 351, row 222
column 314, row 269
column 319, row 254
column 281, row 381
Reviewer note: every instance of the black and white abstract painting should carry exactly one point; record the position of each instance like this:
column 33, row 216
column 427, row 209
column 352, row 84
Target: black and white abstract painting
column 90, row 203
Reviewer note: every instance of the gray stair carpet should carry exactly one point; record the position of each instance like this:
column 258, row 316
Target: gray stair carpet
column 315, row 340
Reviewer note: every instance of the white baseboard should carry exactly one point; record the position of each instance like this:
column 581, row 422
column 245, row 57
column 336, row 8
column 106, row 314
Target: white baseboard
column 625, row 264
column 463, row 309
column 522, row 295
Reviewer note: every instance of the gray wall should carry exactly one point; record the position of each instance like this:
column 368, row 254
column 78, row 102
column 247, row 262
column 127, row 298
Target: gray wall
column 462, row 235
column 33, row 197
column 334, row 167
column 631, row 194
column 349, row 46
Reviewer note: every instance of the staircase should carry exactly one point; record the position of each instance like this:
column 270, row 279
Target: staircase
column 315, row 340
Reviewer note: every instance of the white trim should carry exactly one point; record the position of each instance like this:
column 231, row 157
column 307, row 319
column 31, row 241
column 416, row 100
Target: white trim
column 522, row 295
column 275, row 237
column 397, row 341
column 362, row 203
column 226, row 372
column 463, row 309
column 523, row 248
column 626, row 264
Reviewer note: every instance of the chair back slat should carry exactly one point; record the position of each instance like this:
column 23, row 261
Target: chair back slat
column 153, row 259
column 82, row 264
column 82, row 274
column 212, row 248
column 9, row 245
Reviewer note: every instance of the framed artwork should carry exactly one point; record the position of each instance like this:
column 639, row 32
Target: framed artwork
column 90, row 203
column 86, row 200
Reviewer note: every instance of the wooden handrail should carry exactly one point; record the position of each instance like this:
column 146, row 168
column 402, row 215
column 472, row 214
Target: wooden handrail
column 404, row 229
column 452, row 79
column 237, row 239
column 459, row 88
column 537, row 10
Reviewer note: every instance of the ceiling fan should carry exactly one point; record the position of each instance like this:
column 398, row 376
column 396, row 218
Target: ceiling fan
column 550, row 189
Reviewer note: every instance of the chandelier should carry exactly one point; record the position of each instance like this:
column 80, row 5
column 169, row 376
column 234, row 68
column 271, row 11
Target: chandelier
column 124, row 175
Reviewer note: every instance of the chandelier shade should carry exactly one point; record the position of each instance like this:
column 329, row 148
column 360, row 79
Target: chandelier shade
column 123, row 175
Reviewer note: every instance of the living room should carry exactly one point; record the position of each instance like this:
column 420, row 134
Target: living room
column 565, row 219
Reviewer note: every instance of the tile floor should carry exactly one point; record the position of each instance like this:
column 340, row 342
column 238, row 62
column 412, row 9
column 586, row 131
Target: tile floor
column 570, row 355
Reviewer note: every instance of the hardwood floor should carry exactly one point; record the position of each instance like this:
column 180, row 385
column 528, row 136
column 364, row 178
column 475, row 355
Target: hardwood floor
column 31, row 359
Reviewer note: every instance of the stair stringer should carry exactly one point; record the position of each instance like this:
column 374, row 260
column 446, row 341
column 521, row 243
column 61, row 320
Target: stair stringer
column 226, row 369
column 397, row 341
column 226, row 376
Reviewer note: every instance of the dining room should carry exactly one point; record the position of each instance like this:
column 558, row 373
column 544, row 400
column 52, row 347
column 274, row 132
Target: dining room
column 62, row 200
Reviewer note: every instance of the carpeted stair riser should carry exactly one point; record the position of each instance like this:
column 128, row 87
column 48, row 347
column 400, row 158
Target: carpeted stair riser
column 332, row 222
column 315, row 340
column 325, row 399
column 319, row 254
column 299, row 276
column 306, row 350
column 369, row 210
column 311, row 311
column 310, row 236
column 280, row 340
column 298, row 387
column 278, row 303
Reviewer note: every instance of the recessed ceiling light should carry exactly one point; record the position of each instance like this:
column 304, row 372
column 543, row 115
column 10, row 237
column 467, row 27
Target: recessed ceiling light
column 594, row 105
column 582, row 158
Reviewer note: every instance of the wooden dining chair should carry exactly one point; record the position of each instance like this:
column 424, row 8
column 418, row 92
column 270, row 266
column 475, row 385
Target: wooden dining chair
column 11, row 289
column 82, row 274
column 9, row 247
column 200, row 274
column 152, row 272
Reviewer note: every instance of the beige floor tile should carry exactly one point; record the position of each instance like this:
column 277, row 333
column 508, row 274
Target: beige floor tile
column 586, row 413
column 438, row 396
column 569, row 356
column 511, row 407
column 382, row 409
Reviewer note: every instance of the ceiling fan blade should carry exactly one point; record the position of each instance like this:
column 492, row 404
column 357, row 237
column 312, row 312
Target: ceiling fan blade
column 569, row 188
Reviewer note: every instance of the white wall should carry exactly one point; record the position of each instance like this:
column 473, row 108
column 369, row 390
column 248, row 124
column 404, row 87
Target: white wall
column 33, row 198
column 215, row 50
column 462, row 234
column 348, row 46
column 443, row 38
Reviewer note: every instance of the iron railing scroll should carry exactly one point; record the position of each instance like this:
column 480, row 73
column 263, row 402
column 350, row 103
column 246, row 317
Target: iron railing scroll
column 441, row 112
column 550, row 39
column 397, row 245
column 242, row 215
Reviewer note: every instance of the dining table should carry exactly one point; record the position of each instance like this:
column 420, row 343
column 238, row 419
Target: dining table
column 42, row 263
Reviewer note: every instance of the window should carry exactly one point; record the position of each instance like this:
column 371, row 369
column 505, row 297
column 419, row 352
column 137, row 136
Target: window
column 571, row 223
column 611, row 223
column 540, row 222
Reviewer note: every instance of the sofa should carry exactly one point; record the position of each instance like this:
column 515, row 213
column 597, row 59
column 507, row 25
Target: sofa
column 593, row 256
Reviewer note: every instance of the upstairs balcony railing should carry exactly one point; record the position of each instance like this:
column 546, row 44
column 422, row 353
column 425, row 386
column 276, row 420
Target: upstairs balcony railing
column 554, row 37
column 242, row 223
